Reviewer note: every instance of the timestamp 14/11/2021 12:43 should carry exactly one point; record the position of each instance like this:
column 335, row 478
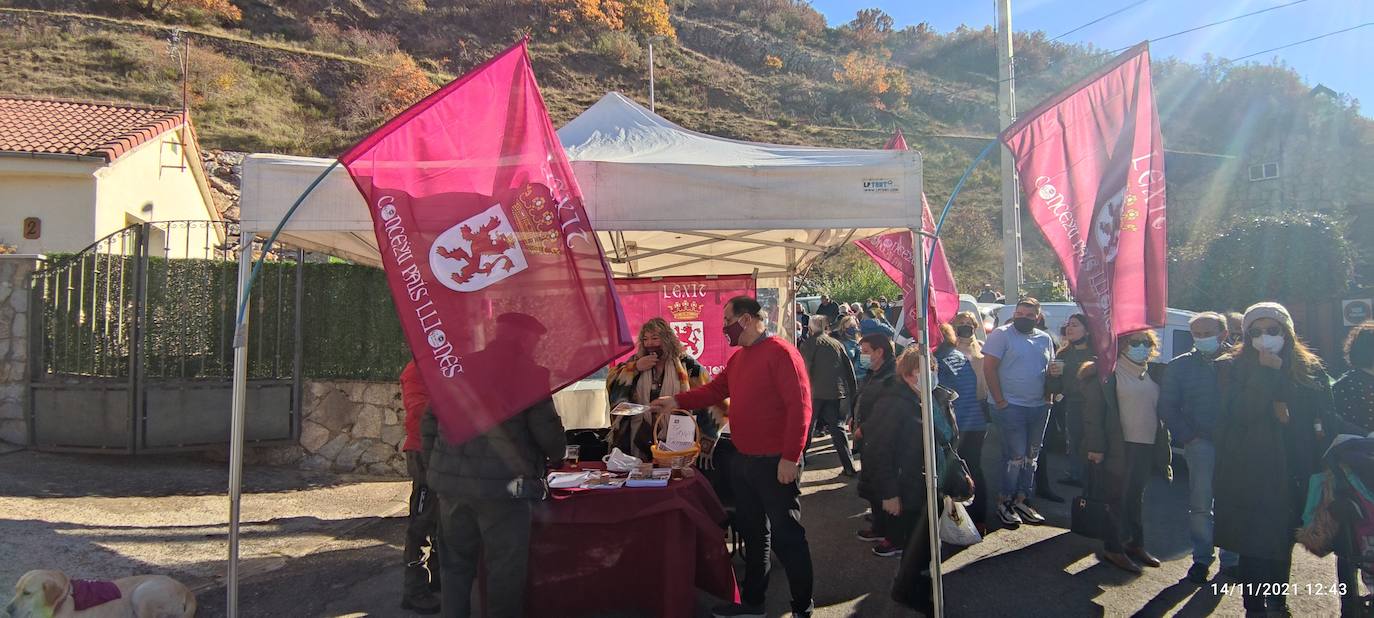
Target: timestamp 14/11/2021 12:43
column 1280, row 589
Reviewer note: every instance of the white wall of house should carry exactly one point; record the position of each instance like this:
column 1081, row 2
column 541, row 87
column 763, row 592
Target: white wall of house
column 154, row 182
column 61, row 192
column 81, row 200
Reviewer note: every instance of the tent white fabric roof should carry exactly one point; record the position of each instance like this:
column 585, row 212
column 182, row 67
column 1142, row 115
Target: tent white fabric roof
column 665, row 200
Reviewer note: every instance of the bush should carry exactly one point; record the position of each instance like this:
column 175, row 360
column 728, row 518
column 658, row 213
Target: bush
column 619, row 48
column 1291, row 257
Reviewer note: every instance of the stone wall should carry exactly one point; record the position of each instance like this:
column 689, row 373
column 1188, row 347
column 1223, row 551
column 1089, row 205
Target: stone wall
column 353, row 427
column 14, row 346
column 348, row 427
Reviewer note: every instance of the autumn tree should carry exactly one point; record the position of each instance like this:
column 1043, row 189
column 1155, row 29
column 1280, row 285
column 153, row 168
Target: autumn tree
column 649, row 18
column 587, row 14
column 870, row 28
column 391, row 83
column 223, row 9
column 870, row 77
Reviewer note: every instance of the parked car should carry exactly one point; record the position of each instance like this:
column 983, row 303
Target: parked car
column 1174, row 337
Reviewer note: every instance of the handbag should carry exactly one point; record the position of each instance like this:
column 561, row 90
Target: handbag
column 1318, row 533
column 955, row 526
column 955, row 480
column 1090, row 515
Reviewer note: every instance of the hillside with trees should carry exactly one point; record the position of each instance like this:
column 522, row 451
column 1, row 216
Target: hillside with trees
column 311, row 76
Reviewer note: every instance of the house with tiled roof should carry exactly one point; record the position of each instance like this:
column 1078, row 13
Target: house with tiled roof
column 73, row 172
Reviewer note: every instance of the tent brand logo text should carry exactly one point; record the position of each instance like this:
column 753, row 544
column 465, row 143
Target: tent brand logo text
column 477, row 253
column 880, row 185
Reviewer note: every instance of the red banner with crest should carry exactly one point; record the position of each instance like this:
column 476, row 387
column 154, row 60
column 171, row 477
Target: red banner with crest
column 693, row 306
column 501, row 288
column 1091, row 161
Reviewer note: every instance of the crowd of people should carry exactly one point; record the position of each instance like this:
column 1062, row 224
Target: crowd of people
column 1250, row 405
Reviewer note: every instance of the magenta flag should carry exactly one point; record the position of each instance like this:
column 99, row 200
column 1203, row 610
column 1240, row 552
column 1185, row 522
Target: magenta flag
column 1091, row 160
column 693, row 306
column 892, row 252
column 498, row 279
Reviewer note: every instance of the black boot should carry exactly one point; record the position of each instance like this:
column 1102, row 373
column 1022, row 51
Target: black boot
column 417, row 597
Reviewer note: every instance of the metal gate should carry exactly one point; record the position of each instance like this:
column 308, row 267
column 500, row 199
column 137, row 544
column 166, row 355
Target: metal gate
column 131, row 342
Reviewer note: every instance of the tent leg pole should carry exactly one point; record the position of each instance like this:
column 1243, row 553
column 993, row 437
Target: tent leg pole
column 933, row 506
column 236, row 428
column 788, row 310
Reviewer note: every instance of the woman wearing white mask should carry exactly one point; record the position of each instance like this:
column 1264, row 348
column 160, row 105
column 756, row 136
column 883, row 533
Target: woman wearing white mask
column 1268, row 443
column 1124, row 441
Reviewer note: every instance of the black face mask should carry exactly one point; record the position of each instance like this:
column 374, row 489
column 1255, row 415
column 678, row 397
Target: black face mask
column 964, row 330
column 1023, row 325
column 653, row 351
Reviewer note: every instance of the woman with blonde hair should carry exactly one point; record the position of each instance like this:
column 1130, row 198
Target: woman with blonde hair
column 1269, row 439
column 1125, row 441
column 659, row 368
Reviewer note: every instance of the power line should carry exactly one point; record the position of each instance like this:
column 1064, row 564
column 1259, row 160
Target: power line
column 1111, row 14
column 1167, row 36
column 1215, row 23
column 1320, row 36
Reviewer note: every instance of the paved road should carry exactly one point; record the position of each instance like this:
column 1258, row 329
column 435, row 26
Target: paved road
column 1032, row 571
column 104, row 517
column 324, row 545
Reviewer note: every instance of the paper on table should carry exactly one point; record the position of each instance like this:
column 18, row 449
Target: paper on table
column 681, row 429
column 626, row 408
column 567, row 480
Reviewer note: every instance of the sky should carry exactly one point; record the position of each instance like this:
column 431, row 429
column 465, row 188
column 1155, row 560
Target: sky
column 1342, row 62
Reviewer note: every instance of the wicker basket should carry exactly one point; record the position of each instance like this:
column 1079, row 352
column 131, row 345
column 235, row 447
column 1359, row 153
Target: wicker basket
column 664, row 459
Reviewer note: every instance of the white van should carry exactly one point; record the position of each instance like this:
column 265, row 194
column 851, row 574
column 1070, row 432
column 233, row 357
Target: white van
column 1174, row 337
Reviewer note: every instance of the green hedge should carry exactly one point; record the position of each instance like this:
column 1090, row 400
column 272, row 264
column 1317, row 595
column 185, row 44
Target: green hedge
column 349, row 326
column 351, row 330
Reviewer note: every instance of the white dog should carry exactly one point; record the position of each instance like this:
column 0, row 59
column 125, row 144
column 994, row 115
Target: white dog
column 45, row 594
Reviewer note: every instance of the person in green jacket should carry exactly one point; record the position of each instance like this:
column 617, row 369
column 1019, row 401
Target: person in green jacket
column 1269, row 440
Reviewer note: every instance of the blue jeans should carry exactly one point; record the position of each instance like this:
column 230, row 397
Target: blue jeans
column 1201, row 456
column 1023, row 432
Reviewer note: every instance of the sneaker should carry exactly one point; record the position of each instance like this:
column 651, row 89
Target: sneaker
column 867, row 535
column 1008, row 515
column 737, row 610
column 1197, row 574
column 1028, row 514
column 886, row 549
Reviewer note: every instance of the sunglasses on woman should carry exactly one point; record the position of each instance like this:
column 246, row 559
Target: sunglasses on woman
column 1272, row 331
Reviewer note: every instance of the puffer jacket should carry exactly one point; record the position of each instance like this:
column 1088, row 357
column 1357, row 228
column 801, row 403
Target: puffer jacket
column 1190, row 398
column 506, row 462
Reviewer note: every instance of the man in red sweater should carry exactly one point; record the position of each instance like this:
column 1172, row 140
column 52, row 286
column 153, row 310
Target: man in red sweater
column 770, row 411
column 420, row 583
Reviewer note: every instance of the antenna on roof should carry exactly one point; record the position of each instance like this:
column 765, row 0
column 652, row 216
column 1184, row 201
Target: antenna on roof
column 179, row 47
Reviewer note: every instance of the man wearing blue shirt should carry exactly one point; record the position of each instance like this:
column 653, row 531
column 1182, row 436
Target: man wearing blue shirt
column 1016, row 358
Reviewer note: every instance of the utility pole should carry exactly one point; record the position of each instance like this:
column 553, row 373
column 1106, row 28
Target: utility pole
column 651, row 76
column 1011, row 192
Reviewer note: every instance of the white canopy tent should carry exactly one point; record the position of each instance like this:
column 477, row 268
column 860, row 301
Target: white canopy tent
column 664, row 201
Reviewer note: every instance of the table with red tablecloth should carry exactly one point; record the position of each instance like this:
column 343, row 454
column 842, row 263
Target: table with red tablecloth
column 633, row 548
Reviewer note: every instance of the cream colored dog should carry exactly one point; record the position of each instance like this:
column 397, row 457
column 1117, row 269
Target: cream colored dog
column 48, row 594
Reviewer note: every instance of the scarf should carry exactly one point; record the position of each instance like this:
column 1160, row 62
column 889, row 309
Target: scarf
column 674, row 380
